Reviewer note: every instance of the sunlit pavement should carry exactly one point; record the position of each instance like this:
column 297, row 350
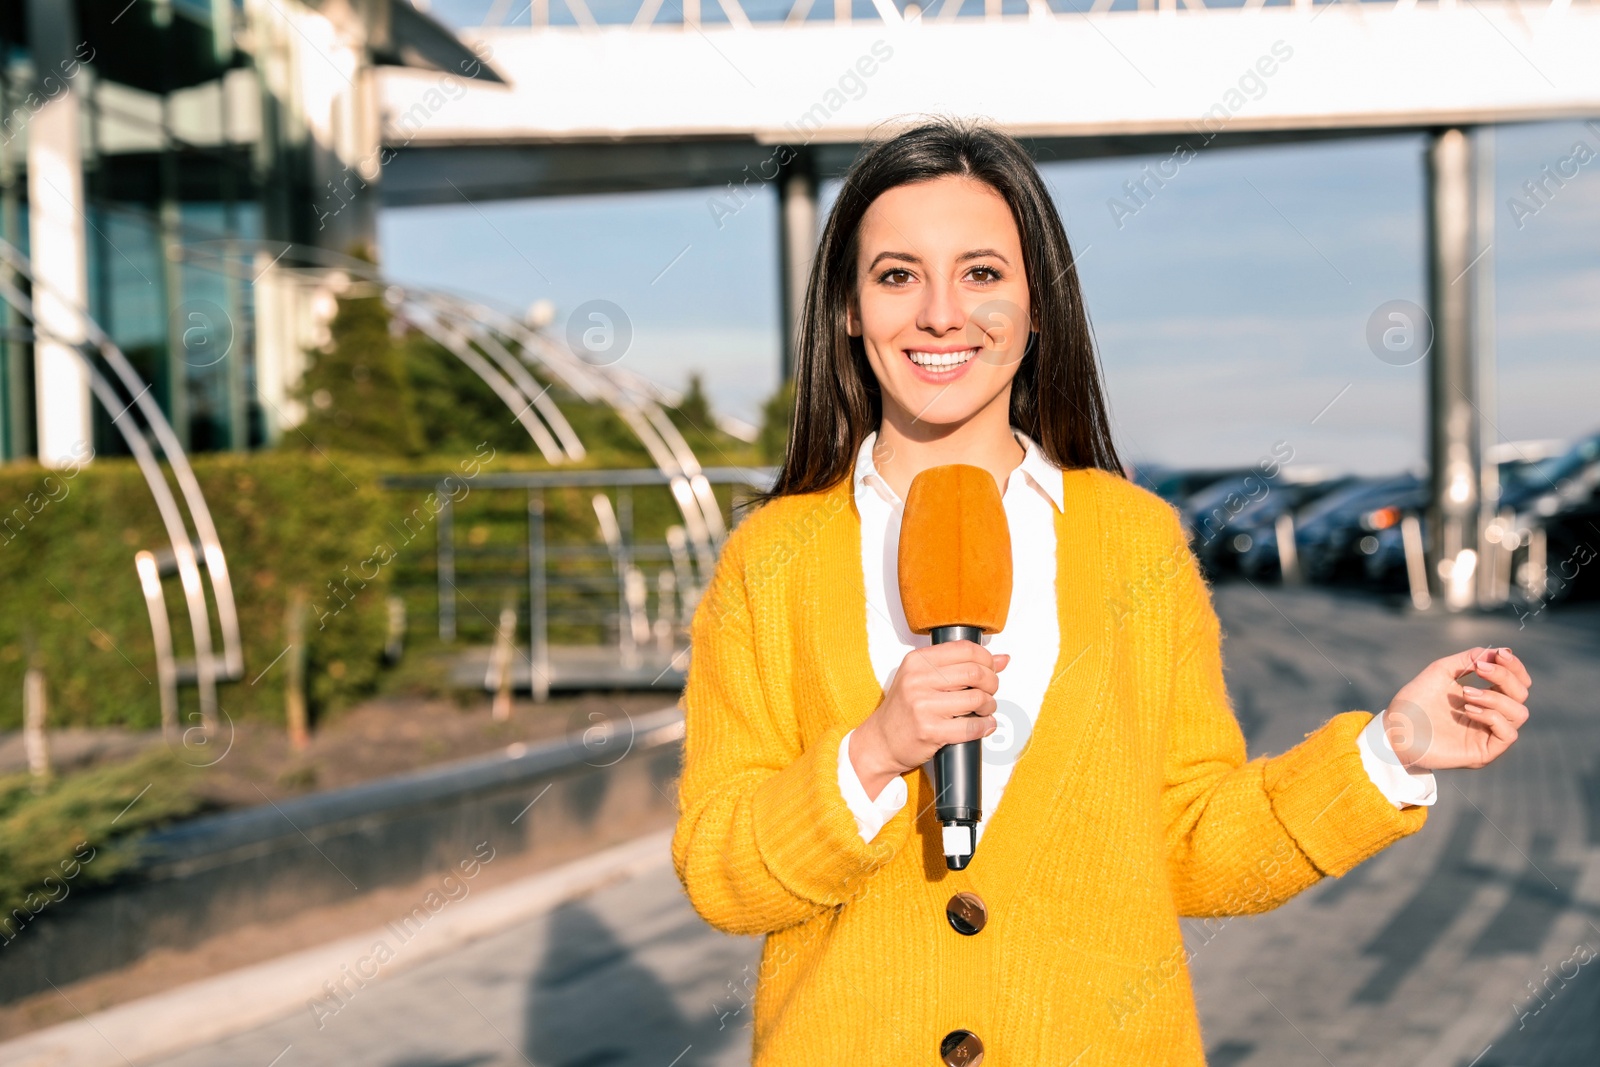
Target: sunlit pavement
column 1430, row 955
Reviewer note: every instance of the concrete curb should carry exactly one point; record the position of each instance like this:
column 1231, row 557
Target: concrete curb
column 208, row 875
column 214, row 1008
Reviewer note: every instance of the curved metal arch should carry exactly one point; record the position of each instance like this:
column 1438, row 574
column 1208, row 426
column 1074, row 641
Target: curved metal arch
column 638, row 407
column 701, row 515
column 452, row 340
column 519, row 392
column 471, row 320
column 166, row 506
column 188, row 484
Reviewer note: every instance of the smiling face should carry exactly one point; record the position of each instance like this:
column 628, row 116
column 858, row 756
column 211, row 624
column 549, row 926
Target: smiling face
column 941, row 302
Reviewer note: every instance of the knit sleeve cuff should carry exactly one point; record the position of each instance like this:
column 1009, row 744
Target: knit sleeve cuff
column 1322, row 794
column 807, row 834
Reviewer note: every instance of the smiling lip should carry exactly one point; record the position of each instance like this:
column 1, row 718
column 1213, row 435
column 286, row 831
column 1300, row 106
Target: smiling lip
column 941, row 374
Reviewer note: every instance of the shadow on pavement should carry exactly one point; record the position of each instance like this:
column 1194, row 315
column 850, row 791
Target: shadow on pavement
column 1556, row 1023
column 591, row 1004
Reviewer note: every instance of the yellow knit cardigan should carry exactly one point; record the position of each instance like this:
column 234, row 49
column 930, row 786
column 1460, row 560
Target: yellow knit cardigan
column 1133, row 805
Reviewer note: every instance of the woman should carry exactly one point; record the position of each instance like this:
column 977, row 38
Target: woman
column 943, row 324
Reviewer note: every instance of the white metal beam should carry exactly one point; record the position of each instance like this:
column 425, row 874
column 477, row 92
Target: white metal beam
column 1279, row 67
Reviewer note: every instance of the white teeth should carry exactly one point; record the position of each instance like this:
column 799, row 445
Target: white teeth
column 941, row 359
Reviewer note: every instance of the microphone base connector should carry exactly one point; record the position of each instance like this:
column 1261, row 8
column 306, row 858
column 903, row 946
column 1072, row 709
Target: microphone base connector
column 960, row 842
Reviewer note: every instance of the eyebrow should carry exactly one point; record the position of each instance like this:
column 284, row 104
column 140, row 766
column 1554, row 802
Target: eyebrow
column 907, row 257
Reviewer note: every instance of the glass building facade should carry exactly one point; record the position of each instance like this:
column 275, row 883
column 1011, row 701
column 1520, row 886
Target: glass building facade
column 201, row 133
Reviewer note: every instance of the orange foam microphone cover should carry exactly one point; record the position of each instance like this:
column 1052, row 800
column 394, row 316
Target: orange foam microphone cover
column 955, row 551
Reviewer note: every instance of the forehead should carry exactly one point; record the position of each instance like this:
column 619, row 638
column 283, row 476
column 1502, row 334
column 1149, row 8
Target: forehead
column 947, row 215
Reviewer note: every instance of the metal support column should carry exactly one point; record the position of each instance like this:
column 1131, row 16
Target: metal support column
column 1453, row 430
column 446, row 532
column 797, row 244
column 1494, row 561
column 538, row 610
column 57, row 244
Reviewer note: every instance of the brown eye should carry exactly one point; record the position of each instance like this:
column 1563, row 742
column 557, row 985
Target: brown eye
column 985, row 274
column 897, row 276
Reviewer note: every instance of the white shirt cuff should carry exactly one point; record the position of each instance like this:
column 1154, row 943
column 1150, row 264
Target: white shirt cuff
column 870, row 814
column 1388, row 774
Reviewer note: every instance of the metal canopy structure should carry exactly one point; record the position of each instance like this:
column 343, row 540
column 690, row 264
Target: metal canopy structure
column 500, row 350
column 703, row 99
column 504, row 352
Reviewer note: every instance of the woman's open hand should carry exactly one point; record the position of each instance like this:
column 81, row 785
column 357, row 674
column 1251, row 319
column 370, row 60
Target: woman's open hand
column 1436, row 723
column 941, row 695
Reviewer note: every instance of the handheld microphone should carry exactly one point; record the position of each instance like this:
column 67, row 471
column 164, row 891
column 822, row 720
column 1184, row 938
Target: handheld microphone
column 955, row 585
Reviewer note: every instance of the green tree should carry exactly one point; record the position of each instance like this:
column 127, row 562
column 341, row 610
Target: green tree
column 695, row 408
column 776, row 415
column 356, row 393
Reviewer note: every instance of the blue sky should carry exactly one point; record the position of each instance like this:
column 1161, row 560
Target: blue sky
column 1231, row 310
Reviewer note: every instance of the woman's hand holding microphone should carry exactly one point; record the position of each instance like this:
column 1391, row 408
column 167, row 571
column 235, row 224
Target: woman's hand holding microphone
column 940, row 695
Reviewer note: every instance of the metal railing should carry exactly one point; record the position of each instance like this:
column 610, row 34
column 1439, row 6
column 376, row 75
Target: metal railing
column 605, row 583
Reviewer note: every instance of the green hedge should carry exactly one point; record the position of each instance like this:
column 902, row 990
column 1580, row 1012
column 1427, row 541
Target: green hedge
column 309, row 515
column 318, row 521
column 74, row 605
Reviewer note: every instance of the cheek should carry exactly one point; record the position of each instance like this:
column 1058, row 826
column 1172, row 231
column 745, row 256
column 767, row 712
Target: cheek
column 999, row 369
column 884, row 317
column 883, row 360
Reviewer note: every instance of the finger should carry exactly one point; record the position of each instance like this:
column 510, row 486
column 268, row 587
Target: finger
column 962, row 728
column 1506, row 657
column 1494, row 721
column 1502, row 678
column 955, row 704
column 957, row 652
column 973, row 728
column 1460, row 663
column 1511, row 710
column 1001, row 660
column 965, row 675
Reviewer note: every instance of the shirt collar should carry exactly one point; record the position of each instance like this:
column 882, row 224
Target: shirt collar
column 1043, row 475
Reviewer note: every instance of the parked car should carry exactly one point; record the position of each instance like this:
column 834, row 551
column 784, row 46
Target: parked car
column 1175, row 485
column 1524, row 481
column 1227, row 519
column 1386, row 563
column 1324, row 530
column 1572, row 550
column 1558, row 506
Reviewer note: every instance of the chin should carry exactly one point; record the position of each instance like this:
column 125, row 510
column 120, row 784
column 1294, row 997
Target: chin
column 950, row 407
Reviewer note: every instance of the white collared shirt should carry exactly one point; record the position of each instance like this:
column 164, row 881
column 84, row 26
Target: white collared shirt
column 1032, row 496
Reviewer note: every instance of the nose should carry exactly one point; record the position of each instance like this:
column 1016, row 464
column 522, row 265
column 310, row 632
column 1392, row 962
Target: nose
column 941, row 312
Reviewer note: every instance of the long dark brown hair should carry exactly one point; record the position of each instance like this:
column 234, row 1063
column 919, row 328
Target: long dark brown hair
column 1056, row 397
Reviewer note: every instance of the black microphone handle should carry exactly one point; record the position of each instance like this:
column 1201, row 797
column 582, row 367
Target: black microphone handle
column 958, row 769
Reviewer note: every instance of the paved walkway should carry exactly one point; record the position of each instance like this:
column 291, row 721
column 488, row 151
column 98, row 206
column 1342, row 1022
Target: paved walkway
column 1427, row 956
